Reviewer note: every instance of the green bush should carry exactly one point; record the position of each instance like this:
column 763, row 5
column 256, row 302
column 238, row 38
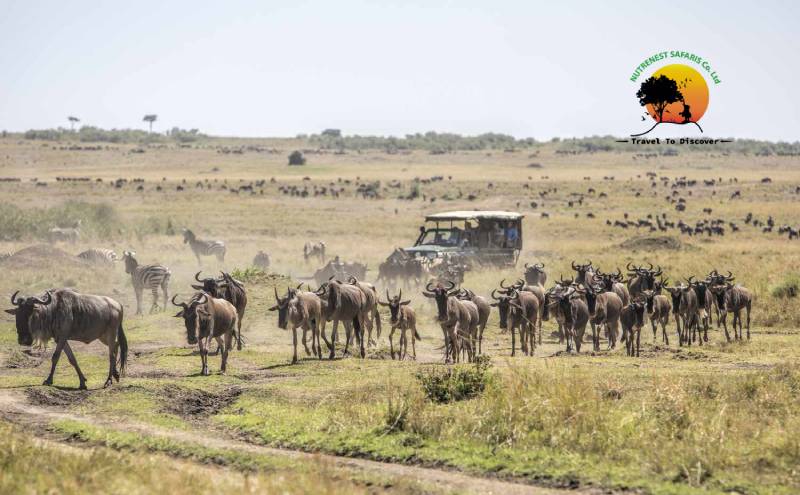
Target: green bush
column 788, row 287
column 452, row 384
column 297, row 158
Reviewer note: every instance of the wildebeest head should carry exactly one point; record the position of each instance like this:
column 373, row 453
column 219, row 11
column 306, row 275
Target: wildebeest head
column 534, row 274
column 210, row 285
column 394, row 304
column 282, row 307
column 440, row 294
column 581, row 271
column 699, row 289
column 23, row 311
column 189, row 313
column 501, row 303
column 638, row 305
column 675, row 294
column 130, row 261
column 649, row 296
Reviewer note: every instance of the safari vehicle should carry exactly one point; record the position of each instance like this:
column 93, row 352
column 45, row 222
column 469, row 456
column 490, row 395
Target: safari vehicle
column 478, row 237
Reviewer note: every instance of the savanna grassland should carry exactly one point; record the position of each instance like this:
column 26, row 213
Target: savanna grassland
column 721, row 418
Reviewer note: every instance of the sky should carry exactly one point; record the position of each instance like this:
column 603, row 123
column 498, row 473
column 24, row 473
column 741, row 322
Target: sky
column 280, row 68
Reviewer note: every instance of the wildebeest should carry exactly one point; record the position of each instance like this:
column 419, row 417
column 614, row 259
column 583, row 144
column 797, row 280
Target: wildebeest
column 373, row 315
column 150, row 277
column 583, row 273
column 454, row 316
column 734, row 299
column 632, row 319
column 535, row 275
column 302, row 310
column 204, row 248
column 402, row 316
column 684, row 299
column 314, row 250
column 348, row 304
column 641, row 279
column 573, row 313
column 604, row 308
column 230, row 289
column 99, row 256
column 534, row 289
column 658, row 310
column 206, row 318
column 523, row 312
column 612, row 282
column 484, row 309
column 261, row 260
column 340, row 270
column 64, row 315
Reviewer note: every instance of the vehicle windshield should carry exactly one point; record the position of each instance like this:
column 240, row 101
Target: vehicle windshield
column 441, row 237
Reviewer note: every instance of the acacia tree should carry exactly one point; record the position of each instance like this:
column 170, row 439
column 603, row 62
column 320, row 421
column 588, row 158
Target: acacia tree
column 659, row 91
column 72, row 122
column 150, row 118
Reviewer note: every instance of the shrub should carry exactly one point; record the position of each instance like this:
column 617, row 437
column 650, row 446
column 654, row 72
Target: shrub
column 788, row 287
column 455, row 383
column 96, row 220
column 297, row 158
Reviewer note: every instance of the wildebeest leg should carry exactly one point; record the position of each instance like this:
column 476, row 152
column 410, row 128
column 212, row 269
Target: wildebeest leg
column 403, row 344
column 377, row 316
column 332, row 345
column 348, row 331
column 112, row 358
column 654, row 323
column 391, row 344
column 480, row 339
column 513, row 342
column 747, row 308
column 54, row 360
column 74, row 363
column 664, row 335
column 305, row 339
column 204, row 355
column 724, row 318
column 414, row 334
column 321, row 327
column 227, row 346
column 294, row 343
column 359, row 323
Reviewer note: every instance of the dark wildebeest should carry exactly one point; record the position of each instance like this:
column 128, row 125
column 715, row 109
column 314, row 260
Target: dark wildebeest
column 641, row 279
column 523, row 312
column 206, row 318
column 64, row 315
column 684, row 299
column 733, row 299
column 348, row 304
column 703, row 300
column 230, row 289
column 484, row 309
column 455, row 317
column 573, row 311
column 535, row 275
column 536, row 290
column 314, row 250
column 373, row 315
column 632, row 319
column 204, row 248
column 612, row 282
column 404, row 318
column 301, row 310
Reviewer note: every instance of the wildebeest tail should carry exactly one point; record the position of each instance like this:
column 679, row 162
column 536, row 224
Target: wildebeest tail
column 122, row 349
column 416, row 335
column 238, row 333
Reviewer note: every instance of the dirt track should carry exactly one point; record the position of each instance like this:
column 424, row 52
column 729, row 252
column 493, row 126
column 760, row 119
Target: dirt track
column 15, row 408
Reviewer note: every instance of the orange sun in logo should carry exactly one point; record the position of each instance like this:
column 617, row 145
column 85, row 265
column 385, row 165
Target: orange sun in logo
column 694, row 90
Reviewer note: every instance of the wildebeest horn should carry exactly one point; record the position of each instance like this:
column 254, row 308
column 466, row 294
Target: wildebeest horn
column 526, row 266
column 16, row 302
column 452, row 285
column 387, row 295
column 574, row 266
column 197, row 276
column 628, row 267
column 276, row 294
column 180, row 305
column 540, row 266
column 730, row 275
column 658, row 271
column 520, row 282
column 589, row 263
column 651, row 266
column 351, row 279
column 690, row 280
column 43, row 302
column 493, row 296
column 400, row 297
column 202, row 299
column 503, row 286
column 428, row 287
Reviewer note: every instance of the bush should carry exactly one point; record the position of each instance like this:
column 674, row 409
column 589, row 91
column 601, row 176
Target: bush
column 788, row 287
column 297, row 158
column 455, row 383
column 96, row 220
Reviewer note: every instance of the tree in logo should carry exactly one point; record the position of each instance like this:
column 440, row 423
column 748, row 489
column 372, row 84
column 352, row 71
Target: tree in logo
column 660, row 92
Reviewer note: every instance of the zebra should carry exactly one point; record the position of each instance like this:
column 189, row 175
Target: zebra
column 147, row 276
column 99, row 256
column 204, row 248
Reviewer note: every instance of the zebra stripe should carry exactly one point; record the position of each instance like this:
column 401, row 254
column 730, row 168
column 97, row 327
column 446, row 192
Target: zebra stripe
column 150, row 277
column 208, row 248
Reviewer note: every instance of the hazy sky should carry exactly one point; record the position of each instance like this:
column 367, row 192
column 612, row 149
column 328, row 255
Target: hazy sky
column 275, row 68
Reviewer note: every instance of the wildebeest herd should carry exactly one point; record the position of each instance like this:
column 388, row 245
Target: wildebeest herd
column 614, row 305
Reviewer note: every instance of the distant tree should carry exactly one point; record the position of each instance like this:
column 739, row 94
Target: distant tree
column 659, row 91
column 334, row 133
column 150, row 118
column 297, row 158
column 72, row 122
